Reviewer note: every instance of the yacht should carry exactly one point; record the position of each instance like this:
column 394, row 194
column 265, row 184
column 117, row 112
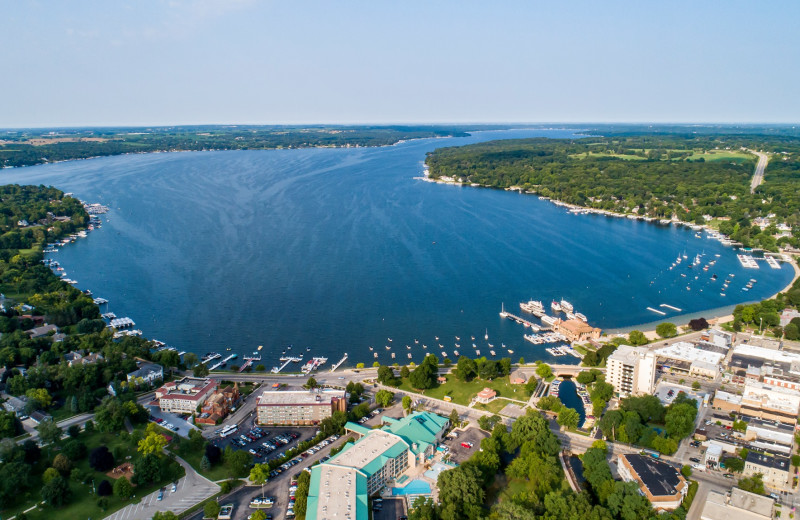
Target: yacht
column 566, row 306
column 555, row 306
column 533, row 306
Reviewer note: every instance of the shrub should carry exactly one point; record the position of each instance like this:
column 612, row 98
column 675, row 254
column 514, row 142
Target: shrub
column 104, row 489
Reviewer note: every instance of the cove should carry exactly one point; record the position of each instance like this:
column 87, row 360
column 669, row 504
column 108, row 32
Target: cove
column 339, row 250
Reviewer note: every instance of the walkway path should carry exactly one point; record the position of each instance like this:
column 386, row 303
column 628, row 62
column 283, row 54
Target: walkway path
column 192, row 488
column 758, row 176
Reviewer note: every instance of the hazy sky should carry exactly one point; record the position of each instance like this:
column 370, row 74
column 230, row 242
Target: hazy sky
column 236, row 61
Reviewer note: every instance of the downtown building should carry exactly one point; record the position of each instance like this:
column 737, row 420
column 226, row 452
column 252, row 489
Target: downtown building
column 299, row 407
column 632, row 370
column 184, row 395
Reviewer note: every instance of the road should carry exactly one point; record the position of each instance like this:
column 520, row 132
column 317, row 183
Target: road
column 758, row 176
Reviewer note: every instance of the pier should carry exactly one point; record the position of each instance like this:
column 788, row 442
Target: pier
column 747, row 261
column 212, row 357
column 521, row 321
column 337, row 365
column 670, row 307
column 657, row 311
column 276, row 370
column 222, row 363
column 772, row 262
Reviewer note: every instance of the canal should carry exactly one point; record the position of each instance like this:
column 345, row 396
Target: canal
column 568, row 393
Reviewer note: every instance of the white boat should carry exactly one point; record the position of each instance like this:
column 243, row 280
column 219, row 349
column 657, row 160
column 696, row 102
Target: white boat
column 548, row 320
column 581, row 317
column 533, row 306
column 555, row 306
column 486, row 336
column 492, row 352
column 566, row 306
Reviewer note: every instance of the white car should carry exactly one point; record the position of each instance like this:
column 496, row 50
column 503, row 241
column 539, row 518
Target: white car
column 698, row 467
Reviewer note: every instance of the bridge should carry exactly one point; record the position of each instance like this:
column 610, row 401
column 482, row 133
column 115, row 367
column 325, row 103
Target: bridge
column 572, row 370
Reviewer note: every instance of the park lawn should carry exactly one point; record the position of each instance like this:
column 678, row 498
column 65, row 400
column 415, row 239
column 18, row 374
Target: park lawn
column 462, row 392
column 83, row 503
column 494, row 406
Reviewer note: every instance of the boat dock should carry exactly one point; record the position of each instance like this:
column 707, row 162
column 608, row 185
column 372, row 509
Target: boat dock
column 108, row 315
column 772, row 262
column 337, row 365
column 276, row 370
column 222, row 363
column 521, row 321
column 100, row 301
column 747, row 261
column 210, row 357
column 670, row 307
column 657, row 311
column 121, row 323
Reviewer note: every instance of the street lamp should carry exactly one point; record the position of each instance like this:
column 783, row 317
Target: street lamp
column 761, row 323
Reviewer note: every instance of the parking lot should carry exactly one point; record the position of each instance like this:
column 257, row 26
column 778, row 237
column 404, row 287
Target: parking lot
column 663, row 392
column 390, row 509
column 459, row 453
column 179, row 425
column 266, row 442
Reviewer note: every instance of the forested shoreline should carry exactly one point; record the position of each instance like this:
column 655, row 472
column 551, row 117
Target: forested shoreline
column 698, row 179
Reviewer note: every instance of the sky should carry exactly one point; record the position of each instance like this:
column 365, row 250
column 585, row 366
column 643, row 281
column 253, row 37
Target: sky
column 82, row 63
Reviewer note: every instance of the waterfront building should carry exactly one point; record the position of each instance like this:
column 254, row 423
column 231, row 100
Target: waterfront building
column 340, row 487
column 40, row 332
column 299, row 407
column 702, row 354
column 740, row 505
column 660, row 482
column 184, row 395
column 146, row 373
column 218, row 405
column 632, row 370
column 774, row 468
column 75, row 358
column 576, row 330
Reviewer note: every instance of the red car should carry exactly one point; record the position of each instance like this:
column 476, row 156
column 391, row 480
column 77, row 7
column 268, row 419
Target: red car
column 467, row 445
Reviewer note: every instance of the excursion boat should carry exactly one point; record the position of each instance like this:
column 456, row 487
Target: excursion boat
column 566, row 306
column 555, row 306
column 533, row 306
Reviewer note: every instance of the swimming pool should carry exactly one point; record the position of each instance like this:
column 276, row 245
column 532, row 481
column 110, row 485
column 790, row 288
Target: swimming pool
column 415, row 487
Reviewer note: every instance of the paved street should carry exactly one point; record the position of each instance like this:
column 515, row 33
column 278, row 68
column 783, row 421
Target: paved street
column 192, row 489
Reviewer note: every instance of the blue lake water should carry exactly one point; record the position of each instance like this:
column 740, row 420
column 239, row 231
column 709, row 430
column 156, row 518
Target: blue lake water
column 568, row 393
column 338, row 250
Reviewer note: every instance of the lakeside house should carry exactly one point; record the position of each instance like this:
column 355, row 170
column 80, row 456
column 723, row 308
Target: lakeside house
column 146, row 373
column 576, row 330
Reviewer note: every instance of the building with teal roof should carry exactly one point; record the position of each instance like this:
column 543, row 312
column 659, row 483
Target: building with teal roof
column 340, row 487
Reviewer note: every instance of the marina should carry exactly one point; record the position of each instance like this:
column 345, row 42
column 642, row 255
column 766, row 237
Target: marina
column 748, row 261
column 521, row 321
column 121, row 323
column 313, row 364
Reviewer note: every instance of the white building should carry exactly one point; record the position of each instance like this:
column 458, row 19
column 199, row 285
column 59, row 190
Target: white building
column 632, row 370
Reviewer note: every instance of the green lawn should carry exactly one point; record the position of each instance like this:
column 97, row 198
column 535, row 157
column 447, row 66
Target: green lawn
column 494, row 406
column 83, row 503
column 722, row 155
column 624, row 157
column 463, row 392
column 217, row 472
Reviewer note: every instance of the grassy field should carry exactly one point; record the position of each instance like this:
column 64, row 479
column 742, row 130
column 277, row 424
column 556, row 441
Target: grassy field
column 722, row 155
column 494, row 406
column 462, row 392
column 624, row 157
column 83, row 503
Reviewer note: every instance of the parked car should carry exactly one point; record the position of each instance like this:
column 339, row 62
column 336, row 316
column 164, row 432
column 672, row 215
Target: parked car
column 695, row 460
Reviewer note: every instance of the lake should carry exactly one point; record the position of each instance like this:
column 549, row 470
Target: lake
column 340, row 250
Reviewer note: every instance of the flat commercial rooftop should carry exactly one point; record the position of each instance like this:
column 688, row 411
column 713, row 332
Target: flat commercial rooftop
column 685, row 351
column 299, row 397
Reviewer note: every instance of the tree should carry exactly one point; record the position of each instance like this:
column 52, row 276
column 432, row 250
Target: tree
column 695, row 385
column 56, row 493
column 213, row 453
column 754, row 484
column 637, row 337
column 62, row 464
column 734, row 464
column 100, row 459
column 544, row 371
column 200, row 370
column 259, row 514
column 49, row 431
column 461, row 493
column 41, row 396
column 406, row 402
column 123, row 488
column 359, row 365
column 190, row 359
column 49, row 474
column 698, row 324
column 454, row 419
column 205, row 464
column 423, row 509
column 424, row 376
column 165, row 515
column 311, row 383
column 74, row 430
column 568, row 418
column 686, row 470
column 679, row 420
column 466, row 368
column 386, row 376
column 384, row 398
column 549, row 402
column 153, row 443
column 104, row 489
column 587, row 377
column 666, row 330
column 238, row 463
column 211, row 509
column 8, row 424
column 146, row 469
column 405, row 372
column 110, row 415
column 303, row 485
column 259, row 473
